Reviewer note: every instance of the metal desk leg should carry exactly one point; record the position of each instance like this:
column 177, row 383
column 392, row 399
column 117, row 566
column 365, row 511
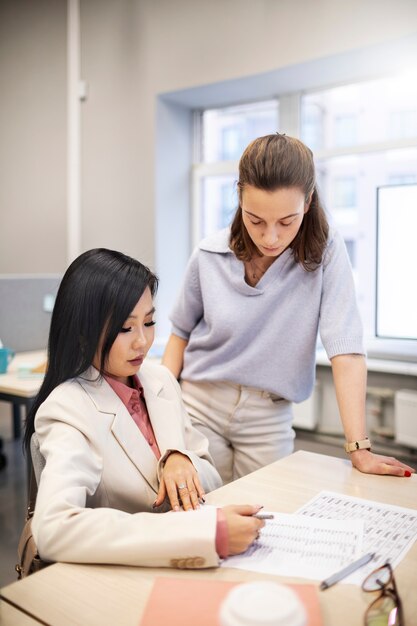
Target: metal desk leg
column 3, row 458
column 17, row 428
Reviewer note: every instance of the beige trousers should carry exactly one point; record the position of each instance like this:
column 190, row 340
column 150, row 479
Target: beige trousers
column 247, row 428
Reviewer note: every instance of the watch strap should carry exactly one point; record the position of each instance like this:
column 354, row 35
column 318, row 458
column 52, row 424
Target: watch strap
column 361, row 444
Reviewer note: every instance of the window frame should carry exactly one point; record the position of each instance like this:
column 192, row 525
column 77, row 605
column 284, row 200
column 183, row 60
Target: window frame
column 289, row 106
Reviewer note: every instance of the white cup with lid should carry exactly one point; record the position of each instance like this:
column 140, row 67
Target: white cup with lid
column 263, row 603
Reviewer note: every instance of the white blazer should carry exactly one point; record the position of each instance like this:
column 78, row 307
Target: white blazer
column 101, row 477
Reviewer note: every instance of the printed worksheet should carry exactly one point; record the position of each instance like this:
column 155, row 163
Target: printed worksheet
column 302, row 546
column 389, row 531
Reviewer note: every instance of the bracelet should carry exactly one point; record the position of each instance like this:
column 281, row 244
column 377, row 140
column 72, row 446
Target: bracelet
column 363, row 444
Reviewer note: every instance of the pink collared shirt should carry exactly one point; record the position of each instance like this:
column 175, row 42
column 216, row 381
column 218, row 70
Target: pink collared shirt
column 134, row 401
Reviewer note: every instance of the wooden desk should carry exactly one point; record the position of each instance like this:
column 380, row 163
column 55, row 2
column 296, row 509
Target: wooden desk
column 20, row 390
column 9, row 616
column 66, row 594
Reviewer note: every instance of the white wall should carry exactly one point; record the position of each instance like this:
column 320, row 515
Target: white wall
column 192, row 42
column 114, row 158
column 32, row 136
column 131, row 51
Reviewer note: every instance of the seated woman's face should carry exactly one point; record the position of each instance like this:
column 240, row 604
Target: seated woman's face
column 133, row 341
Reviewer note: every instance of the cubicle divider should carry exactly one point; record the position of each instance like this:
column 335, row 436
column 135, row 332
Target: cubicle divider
column 25, row 310
column 26, row 303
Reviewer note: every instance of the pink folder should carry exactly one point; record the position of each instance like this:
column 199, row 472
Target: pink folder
column 196, row 602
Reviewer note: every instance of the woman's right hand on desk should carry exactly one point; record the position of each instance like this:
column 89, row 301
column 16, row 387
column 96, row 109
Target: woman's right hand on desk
column 242, row 527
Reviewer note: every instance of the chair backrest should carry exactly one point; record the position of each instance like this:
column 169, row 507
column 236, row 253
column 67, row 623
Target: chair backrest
column 29, row 560
column 38, row 461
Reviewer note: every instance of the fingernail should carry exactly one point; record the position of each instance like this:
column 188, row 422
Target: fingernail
column 176, row 508
column 258, row 507
column 407, row 474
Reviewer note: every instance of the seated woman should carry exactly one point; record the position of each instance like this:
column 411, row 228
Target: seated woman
column 119, row 448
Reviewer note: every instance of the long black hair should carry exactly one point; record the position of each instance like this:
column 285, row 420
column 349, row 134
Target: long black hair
column 98, row 292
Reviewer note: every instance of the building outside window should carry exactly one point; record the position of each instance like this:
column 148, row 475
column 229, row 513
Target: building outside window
column 345, row 130
column 226, row 132
column 222, row 136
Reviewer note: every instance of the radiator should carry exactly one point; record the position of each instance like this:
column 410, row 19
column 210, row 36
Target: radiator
column 405, row 417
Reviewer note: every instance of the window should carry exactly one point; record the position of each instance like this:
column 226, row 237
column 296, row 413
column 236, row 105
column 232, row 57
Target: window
column 344, row 192
column 218, row 202
column 403, row 124
column 373, row 111
column 227, row 132
column 363, row 136
column 367, row 138
column 312, row 124
column 396, row 226
column 223, row 136
column 345, row 130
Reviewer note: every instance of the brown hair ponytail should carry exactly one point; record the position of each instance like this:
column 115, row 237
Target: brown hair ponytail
column 270, row 163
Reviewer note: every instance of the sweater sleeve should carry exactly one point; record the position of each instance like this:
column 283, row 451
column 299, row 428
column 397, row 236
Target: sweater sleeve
column 188, row 309
column 340, row 324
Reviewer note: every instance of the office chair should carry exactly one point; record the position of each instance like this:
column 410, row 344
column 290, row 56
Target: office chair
column 29, row 560
column 38, row 462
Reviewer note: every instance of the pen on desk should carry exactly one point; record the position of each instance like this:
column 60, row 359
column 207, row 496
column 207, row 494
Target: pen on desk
column 263, row 516
column 346, row 571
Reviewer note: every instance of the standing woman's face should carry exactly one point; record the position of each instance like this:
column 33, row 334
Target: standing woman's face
column 272, row 218
column 132, row 343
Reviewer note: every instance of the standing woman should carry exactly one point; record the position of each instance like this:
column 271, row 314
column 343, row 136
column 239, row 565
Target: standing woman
column 246, row 321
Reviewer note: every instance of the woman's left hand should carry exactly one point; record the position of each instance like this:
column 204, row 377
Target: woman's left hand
column 370, row 463
column 180, row 482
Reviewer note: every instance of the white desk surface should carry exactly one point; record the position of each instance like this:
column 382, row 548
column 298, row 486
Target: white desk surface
column 69, row 594
column 26, row 387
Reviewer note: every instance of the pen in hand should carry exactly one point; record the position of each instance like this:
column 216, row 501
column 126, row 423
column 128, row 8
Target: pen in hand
column 263, row 516
column 346, row 571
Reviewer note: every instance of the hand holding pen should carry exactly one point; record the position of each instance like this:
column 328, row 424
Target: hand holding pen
column 244, row 523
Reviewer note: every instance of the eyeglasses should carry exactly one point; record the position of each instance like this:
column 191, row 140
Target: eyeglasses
column 386, row 610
